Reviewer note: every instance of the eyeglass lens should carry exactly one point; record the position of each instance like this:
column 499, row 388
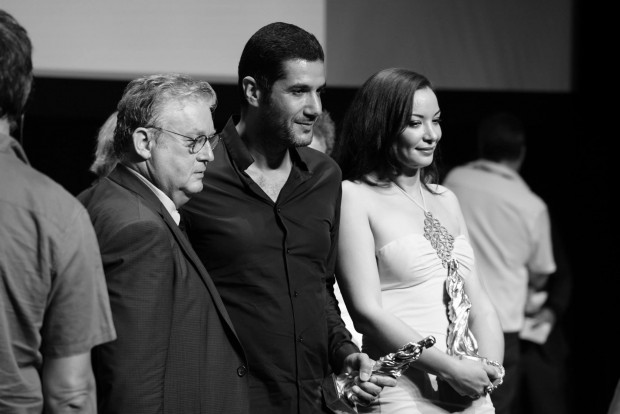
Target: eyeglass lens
column 200, row 142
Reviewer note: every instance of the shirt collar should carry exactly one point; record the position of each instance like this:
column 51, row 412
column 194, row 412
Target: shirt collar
column 165, row 200
column 241, row 155
column 10, row 145
column 495, row 168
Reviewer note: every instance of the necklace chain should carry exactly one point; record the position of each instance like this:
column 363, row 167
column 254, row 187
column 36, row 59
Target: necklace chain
column 460, row 340
column 441, row 240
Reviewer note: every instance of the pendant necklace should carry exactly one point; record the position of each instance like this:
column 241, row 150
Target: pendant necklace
column 441, row 240
column 460, row 340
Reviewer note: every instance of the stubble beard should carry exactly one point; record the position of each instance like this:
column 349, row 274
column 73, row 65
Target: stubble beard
column 280, row 131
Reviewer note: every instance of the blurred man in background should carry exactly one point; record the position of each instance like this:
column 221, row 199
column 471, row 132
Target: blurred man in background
column 510, row 231
column 53, row 300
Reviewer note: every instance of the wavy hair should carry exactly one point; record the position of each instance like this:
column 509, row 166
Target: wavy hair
column 105, row 159
column 144, row 98
column 376, row 117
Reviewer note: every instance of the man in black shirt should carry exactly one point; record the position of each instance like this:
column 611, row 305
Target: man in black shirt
column 266, row 227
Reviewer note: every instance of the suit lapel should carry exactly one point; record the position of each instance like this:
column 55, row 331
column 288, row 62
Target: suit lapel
column 126, row 179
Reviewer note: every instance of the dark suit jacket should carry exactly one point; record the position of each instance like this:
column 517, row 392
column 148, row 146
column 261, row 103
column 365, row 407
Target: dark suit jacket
column 177, row 351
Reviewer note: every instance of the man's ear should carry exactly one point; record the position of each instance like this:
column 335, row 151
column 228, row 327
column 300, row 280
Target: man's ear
column 142, row 144
column 250, row 90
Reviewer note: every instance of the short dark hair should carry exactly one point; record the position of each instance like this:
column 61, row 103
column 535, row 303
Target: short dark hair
column 144, row 98
column 378, row 114
column 15, row 68
column 501, row 136
column 264, row 54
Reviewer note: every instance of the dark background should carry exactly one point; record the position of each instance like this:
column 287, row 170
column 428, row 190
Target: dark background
column 568, row 164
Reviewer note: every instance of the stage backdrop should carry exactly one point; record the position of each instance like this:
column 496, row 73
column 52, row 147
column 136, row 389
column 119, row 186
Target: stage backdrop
column 500, row 45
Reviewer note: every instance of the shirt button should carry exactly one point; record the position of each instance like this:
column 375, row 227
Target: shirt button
column 288, row 251
column 242, row 370
column 296, row 293
column 279, row 210
column 301, row 338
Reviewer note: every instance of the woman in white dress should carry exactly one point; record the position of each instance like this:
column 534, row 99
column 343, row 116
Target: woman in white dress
column 400, row 233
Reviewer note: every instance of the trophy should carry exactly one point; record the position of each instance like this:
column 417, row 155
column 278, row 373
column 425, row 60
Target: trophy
column 393, row 364
column 461, row 341
column 396, row 363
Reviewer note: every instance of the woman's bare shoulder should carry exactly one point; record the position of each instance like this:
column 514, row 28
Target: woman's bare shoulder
column 360, row 196
column 445, row 194
column 354, row 187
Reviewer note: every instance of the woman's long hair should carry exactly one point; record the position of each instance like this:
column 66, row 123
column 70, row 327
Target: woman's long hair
column 378, row 114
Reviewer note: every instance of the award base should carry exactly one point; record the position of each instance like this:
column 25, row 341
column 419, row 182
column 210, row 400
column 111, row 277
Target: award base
column 338, row 404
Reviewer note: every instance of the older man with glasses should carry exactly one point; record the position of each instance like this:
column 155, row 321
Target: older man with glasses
column 177, row 351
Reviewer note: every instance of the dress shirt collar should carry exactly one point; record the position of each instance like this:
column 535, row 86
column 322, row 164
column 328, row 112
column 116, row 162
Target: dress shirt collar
column 495, row 168
column 165, row 200
column 241, row 155
column 10, row 145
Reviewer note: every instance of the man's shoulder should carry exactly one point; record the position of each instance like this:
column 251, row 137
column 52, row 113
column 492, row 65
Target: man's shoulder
column 532, row 203
column 319, row 162
column 102, row 192
column 109, row 201
column 461, row 174
column 24, row 188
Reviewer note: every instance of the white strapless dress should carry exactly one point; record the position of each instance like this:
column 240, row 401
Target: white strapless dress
column 412, row 288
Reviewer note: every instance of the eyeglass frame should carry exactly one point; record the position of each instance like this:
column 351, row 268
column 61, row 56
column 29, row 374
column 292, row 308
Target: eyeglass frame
column 195, row 141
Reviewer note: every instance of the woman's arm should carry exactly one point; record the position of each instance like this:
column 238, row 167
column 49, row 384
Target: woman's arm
column 483, row 319
column 358, row 278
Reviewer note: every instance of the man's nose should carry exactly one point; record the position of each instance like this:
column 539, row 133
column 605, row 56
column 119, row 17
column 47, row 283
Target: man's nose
column 314, row 105
column 206, row 153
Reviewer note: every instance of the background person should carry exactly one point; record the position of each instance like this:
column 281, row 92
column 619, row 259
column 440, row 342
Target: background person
column 510, row 231
column 105, row 159
column 177, row 351
column 543, row 369
column 398, row 232
column 53, row 300
column 266, row 224
column 323, row 133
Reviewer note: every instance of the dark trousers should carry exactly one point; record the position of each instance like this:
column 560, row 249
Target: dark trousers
column 543, row 383
column 503, row 397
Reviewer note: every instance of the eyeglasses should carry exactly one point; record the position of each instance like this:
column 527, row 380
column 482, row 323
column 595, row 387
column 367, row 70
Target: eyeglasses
column 198, row 142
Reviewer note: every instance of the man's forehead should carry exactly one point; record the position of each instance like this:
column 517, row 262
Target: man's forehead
column 303, row 71
column 185, row 108
column 179, row 104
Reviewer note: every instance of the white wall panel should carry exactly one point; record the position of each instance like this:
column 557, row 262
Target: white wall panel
column 126, row 38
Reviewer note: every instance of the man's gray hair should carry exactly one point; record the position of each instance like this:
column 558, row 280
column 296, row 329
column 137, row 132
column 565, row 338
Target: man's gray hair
column 144, row 98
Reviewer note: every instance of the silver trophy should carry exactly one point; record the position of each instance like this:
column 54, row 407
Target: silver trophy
column 396, row 363
column 393, row 364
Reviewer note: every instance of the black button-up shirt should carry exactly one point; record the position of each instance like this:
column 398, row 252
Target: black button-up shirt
column 273, row 264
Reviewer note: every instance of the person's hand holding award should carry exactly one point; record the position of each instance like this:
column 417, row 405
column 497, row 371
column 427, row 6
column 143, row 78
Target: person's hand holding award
column 390, row 365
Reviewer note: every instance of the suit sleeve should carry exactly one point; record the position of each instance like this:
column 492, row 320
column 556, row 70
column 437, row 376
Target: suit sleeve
column 139, row 274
